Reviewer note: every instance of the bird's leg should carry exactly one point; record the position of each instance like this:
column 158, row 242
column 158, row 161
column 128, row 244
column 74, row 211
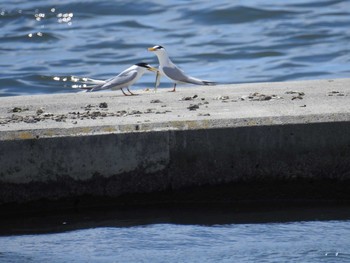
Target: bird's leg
column 124, row 92
column 157, row 82
column 130, row 91
column 174, row 89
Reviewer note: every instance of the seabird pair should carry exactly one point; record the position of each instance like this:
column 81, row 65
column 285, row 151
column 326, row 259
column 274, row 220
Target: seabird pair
column 129, row 76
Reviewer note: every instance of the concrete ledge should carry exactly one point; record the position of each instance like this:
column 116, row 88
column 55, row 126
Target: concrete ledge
column 107, row 145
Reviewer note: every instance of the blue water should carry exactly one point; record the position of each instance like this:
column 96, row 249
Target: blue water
column 184, row 234
column 314, row 241
column 44, row 43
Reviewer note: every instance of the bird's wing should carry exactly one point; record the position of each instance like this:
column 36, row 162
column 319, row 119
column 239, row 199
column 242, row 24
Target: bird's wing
column 175, row 73
column 178, row 75
column 120, row 81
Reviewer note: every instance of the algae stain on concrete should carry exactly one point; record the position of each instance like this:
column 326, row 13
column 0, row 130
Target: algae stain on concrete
column 190, row 124
column 25, row 135
column 109, row 129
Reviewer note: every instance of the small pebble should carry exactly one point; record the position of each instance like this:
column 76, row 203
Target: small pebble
column 256, row 96
column 193, row 107
column 156, row 101
column 336, row 93
column 296, row 92
column 186, row 98
column 189, row 98
column 149, row 111
column 16, row 109
column 299, row 97
column 103, row 105
column 40, row 111
column 222, row 98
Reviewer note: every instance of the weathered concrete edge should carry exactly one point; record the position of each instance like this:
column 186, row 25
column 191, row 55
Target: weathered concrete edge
column 171, row 125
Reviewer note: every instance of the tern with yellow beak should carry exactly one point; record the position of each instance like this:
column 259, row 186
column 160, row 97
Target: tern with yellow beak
column 124, row 80
column 169, row 69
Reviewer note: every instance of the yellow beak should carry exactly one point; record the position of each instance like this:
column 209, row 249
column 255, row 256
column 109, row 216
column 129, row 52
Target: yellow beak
column 152, row 69
column 151, row 49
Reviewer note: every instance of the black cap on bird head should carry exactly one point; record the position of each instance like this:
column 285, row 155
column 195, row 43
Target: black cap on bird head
column 146, row 66
column 143, row 64
column 158, row 47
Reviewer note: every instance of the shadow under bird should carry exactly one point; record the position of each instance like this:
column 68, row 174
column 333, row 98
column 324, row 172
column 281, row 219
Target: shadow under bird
column 169, row 69
column 124, row 80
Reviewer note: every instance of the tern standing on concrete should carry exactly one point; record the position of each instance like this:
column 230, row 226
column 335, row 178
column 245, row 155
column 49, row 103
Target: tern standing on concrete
column 124, row 80
column 169, row 69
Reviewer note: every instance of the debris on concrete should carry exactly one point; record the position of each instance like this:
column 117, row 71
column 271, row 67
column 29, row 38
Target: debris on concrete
column 18, row 109
column 156, row 101
column 188, row 97
column 40, row 111
column 193, row 107
column 103, row 105
column 335, row 93
column 256, row 96
column 222, row 98
column 297, row 95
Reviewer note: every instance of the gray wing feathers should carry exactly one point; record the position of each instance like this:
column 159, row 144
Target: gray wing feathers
column 120, row 81
column 178, row 75
column 175, row 74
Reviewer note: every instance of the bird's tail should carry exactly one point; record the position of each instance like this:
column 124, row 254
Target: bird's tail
column 200, row 81
column 88, row 84
column 209, row 83
column 91, row 81
column 87, row 88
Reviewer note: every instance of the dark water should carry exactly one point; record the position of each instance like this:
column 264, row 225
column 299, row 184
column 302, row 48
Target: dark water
column 224, row 41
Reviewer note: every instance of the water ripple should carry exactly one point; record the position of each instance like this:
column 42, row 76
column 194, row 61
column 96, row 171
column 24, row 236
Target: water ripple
column 100, row 38
column 314, row 4
column 264, row 242
column 236, row 14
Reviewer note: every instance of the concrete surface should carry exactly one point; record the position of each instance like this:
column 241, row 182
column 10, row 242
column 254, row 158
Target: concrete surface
column 108, row 145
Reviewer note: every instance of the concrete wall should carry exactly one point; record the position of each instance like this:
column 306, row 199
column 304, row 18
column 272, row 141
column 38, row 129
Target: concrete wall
column 115, row 164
